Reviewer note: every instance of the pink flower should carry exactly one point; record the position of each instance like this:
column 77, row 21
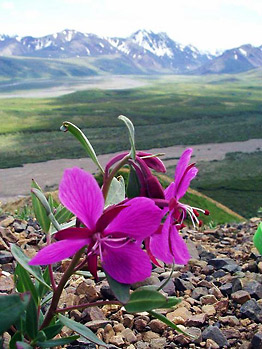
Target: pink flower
column 114, row 235
column 167, row 245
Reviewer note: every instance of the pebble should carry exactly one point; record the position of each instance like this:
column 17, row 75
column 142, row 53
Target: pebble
column 214, row 333
column 252, row 310
column 240, row 296
column 256, row 342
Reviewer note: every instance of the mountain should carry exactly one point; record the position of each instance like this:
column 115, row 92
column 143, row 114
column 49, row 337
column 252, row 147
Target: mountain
column 142, row 52
column 236, row 60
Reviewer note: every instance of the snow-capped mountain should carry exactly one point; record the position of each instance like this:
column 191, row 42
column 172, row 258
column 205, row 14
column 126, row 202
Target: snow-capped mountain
column 236, row 60
column 144, row 52
column 149, row 51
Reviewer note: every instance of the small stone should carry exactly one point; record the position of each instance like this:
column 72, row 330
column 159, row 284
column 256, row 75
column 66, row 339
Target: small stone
column 152, row 280
column 199, row 292
column 219, row 263
column 254, row 288
column 88, row 290
column 231, row 333
column 8, row 235
column 108, row 332
column 240, row 296
column 208, row 299
column 196, row 333
column 256, row 342
column 128, row 320
column 92, row 313
column 216, row 292
column 231, row 320
column 7, row 221
column 149, row 335
column 211, row 344
column 118, row 327
column 169, row 288
column 19, row 227
column 209, row 309
column 221, row 306
column 214, row 333
column 5, row 257
column 6, row 282
column 183, row 285
column 158, row 343
column 140, row 324
column 252, row 310
column 107, row 293
column 96, row 324
column 226, row 289
column 157, row 326
column 236, row 285
column 182, row 312
column 129, row 335
column 117, row 340
column 196, row 320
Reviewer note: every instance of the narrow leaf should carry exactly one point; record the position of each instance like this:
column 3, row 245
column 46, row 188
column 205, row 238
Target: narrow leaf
column 133, row 185
column 258, row 238
column 145, row 300
column 63, row 215
column 39, row 210
column 42, row 289
column 31, row 323
column 116, row 191
column 12, row 306
column 79, row 135
column 52, row 330
column 27, row 283
column 82, row 330
column 57, row 342
column 23, row 260
column 131, row 131
column 121, row 291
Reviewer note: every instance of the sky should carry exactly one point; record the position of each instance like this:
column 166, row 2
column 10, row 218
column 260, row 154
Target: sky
column 209, row 25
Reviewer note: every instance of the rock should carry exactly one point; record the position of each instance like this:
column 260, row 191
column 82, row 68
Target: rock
column 92, row 313
column 231, row 333
column 208, row 299
column 215, row 291
column 256, row 342
column 192, row 249
column 182, row 312
column 19, row 227
column 157, row 326
column 199, row 292
column 254, row 288
column 219, row 263
column 251, row 310
column 240, row 296
column 231, row 320
column 117, row 340
column 108, row 332
column 169, row 288
column 141, row 322
column 6, row 282
column 152, row 280
column 211, row 344
column 118, row 327
column 128, row 320
column 158, row 343
column 96, row 324
column 226, row 289
column 209, row 309
column 7, row 235
column 236, row 285
column 214, row 333
column 107, row 293
column 183, row 285
column 206, row 256
column 149, row 335
column 5, row 257
column 221, row 306
column 196, row 320
column 7, row 221
column 196, row 333
column 129, row 335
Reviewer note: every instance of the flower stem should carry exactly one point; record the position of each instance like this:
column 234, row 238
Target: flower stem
column 50, row 268
column 108, row 180
column 86, row 305
column 57, row 293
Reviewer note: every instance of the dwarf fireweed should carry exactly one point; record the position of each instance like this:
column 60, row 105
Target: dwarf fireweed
column 116, row 231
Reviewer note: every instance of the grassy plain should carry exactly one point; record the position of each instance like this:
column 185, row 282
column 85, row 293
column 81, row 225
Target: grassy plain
column 172, row 110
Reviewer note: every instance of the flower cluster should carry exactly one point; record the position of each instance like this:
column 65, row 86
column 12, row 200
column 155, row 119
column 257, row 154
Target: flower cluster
column 116, row 235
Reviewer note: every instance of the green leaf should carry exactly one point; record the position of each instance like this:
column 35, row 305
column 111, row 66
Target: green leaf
column 25, row 280
column 121, row 291
column 258, row 238
column 51, row 202
column 31, row 323
column 23, row 345
column 82, row 330
column 42, row 289
column 57, row 342
column 52, row 330
column 131, row 131
column 39, row 210
column 145, row 300
column 79, row 135
column 15, row 338
column 23, row 260
column 63, row 215
column 171, row 302
column 168, row 322
column 133, row 185
column 12, row 306
column 116, row 191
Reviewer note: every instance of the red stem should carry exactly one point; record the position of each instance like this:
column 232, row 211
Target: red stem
column 86, row 305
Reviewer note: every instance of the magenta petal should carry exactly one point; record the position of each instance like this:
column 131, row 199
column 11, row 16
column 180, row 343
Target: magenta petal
column 170, row 191
column 128, row 264
column 178, row 247
column 153, row 162
column 140, row 219
column 58, row 251
column 182, row 165
column 160, row 244
column 72, row 233
column 185, row 182
column 80, row 193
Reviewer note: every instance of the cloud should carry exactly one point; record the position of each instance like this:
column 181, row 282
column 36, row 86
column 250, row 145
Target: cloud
column 8, row 5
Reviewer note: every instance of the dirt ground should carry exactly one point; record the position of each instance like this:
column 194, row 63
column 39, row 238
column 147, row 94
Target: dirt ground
column 15, row 182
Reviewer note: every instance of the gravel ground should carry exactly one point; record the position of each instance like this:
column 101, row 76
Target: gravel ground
column 221, row 289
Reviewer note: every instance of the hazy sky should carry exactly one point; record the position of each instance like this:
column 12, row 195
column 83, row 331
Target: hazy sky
column 207, row 24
